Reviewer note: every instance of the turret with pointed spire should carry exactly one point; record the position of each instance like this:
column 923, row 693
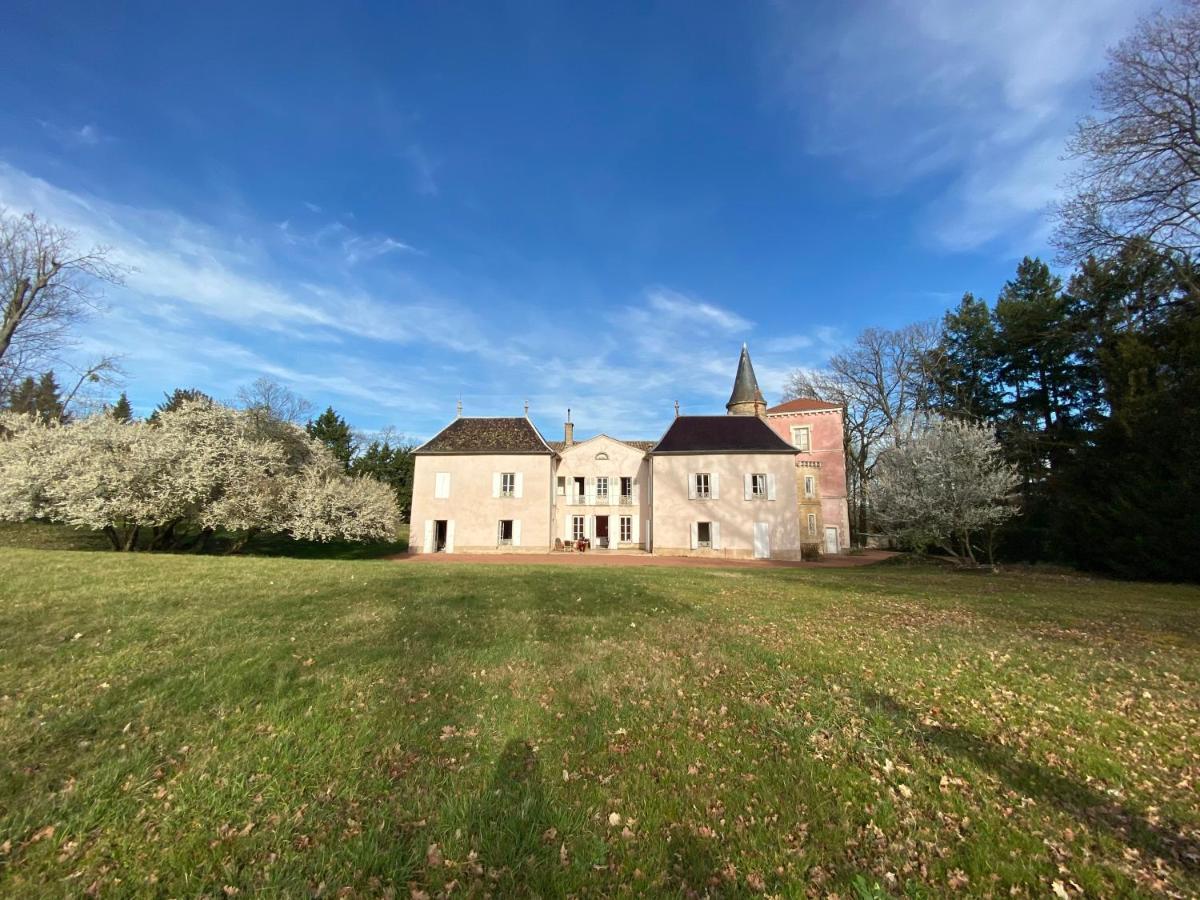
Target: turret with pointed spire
column 746, row 399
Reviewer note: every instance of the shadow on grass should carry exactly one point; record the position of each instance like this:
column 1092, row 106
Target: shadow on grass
column 282, row 545
column 39, row 535
column 512, row 821
column 1086, row 803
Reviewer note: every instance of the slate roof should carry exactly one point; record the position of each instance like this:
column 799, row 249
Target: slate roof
column 803, row 404
column 487, row 434
column 721, row 434
column 745, row 385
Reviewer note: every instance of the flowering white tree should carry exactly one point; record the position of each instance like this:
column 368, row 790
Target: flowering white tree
column 946, row 484
column 173, row 483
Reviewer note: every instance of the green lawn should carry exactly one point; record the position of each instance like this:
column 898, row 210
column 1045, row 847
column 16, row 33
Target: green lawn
column 186, row 726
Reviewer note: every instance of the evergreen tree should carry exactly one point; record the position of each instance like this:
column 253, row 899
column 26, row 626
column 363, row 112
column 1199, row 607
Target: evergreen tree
column 1038, row 340
column 42, row 398
column 331, row 430
column 966, row 367
column 121, row 410
column 176, row 398
column 391, row 464
column 1130, row 498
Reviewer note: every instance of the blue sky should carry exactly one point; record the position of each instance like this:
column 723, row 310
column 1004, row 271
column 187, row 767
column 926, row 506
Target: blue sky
column 388, row 207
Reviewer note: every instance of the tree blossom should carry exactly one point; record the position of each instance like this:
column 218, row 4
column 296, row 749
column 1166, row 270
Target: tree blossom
column 944, row 485
column 197, row 469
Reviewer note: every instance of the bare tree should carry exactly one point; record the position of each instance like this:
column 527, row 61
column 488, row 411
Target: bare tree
column 268, row 396
column 883, row 382
column 1139, row 173
column 47, row 285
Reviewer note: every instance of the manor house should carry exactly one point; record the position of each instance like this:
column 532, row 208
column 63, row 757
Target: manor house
column 758, row 482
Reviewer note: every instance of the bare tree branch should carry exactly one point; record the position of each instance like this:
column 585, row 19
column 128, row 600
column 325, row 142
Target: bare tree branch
column 47, row 285
column 1139, row 173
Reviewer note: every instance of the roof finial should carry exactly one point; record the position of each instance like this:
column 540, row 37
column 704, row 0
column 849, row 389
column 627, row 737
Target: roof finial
column 527, row 409
column 458, row 414
column 677, row 409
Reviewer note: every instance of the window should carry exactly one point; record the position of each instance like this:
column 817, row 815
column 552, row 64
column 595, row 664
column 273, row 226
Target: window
column 810, row 486
column 577, row 528
column 801, row 438
column 812, row 524
column 703, row 486
column 758, row 485
column 626, row 490
column 580, row 489
column 626, row 529
column 506, row 532
column 508, row 484
column 441, row 485
column 562, row 485
column 602, row 488
column 704, row 534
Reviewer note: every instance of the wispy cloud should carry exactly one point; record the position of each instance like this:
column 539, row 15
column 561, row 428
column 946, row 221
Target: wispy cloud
column 214, row 307
column 976, row 99
column 424, row 170
column 87, row 135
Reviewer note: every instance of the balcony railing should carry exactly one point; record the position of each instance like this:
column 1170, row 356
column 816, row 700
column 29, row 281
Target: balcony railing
column 626, row 500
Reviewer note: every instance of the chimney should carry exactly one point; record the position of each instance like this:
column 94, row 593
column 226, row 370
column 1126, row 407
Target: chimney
column 568, row 430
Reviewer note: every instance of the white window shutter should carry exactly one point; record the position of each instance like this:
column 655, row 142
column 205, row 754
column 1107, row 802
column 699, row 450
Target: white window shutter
column 714, row 483
column 691, row 487
column 589, row 486
column 635, row 492
column 517, row 529
column 520, row 485
column 441, row 485
column 499, row 532
column 715, row 528
column 633, row 529
column 591, row 528
column 429, row 535
column 567, row 522
column 749, row 485
column 450, row 536
column 695, row 535
column 495, row 484
column 770, row 487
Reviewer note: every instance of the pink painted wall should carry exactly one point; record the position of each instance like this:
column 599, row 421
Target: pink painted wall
column 827, row 449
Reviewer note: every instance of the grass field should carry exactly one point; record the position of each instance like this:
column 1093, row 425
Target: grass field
column 186, row 726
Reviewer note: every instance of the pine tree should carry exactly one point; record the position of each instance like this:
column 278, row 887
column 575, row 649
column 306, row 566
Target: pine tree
column 966, row 369
column 176, row 398
column 40, row 398
column 391, row 464
column 23, row 397
column 331, row 430
column 121, row 410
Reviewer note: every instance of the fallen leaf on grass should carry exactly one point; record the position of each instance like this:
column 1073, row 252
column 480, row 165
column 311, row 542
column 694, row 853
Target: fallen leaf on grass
column 433, row 856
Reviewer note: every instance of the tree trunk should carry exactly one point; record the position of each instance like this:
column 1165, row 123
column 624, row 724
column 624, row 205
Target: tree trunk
column 239, row 544
column 131, row 539
column 111, row 534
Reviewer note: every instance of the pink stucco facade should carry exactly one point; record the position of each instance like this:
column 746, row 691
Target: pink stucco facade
column 825, row 455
